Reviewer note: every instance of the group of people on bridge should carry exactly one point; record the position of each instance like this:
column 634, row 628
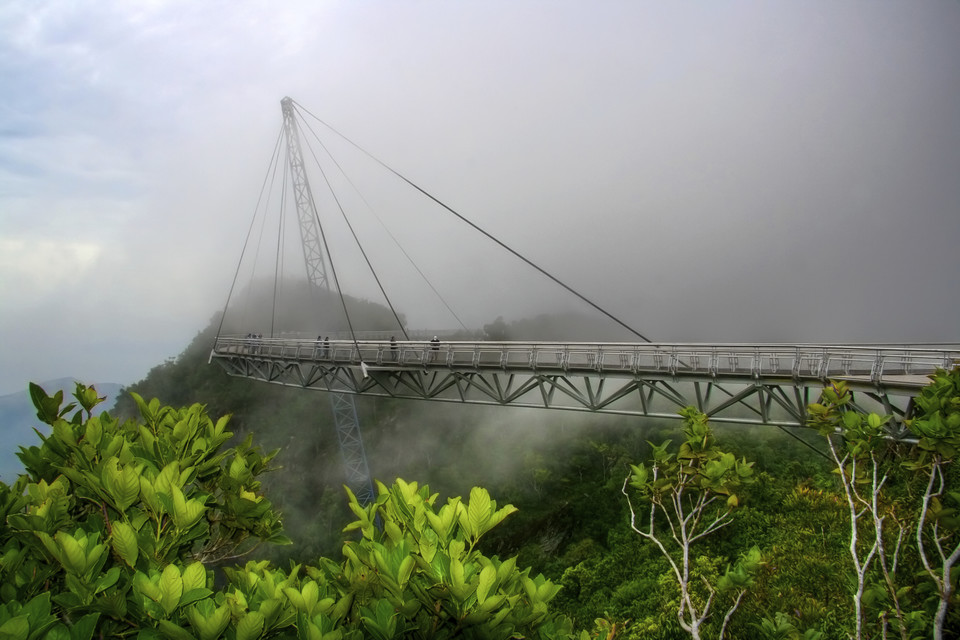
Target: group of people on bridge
column 323, row 347
column 255, row 344
column 323, row 350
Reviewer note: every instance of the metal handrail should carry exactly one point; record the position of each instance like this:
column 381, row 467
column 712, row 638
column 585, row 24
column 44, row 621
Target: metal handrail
column 873, row 363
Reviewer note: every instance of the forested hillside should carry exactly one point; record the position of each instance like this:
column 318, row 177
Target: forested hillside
column 779, row 561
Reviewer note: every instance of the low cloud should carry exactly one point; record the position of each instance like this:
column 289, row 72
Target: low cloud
column 32, row 270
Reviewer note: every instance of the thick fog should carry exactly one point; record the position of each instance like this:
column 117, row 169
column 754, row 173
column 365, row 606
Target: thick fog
column 743, row 171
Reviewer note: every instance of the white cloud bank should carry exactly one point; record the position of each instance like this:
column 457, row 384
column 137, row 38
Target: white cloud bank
column 739, row 171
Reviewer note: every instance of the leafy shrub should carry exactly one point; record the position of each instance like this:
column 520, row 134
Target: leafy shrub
column 114, row 529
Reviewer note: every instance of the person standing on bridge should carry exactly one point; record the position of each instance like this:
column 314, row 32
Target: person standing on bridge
column 434, row 348
column 326, row 347
column 393, row 348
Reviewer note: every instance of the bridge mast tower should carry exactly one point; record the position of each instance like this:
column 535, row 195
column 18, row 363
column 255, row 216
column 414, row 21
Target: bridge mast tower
column 344, row 406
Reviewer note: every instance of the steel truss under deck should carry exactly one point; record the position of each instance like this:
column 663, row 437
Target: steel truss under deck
column 747, row 384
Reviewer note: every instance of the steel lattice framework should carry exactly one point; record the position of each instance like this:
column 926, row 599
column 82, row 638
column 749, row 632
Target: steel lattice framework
column 734, row 383
column 313, row 254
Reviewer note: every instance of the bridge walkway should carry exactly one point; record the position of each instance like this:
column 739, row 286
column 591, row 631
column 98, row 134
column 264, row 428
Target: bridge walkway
column 739, row 383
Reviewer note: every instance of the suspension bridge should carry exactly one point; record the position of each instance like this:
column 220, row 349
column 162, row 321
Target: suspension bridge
column 769, row 384
column 764, row 384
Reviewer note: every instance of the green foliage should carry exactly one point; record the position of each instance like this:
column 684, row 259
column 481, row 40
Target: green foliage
column 298, row 424
column 781, row 627
column 698, row 466
column 936, row 423
column 421, row 571
column 114, row 526
column 692, row 494
column 937, row 416
column 862, row 434
column 891, row 488
column 114, row 520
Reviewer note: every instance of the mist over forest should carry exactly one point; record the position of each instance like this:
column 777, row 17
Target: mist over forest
column 563, row 470
column 296, row 307
column 452, row 447
column 293, row 307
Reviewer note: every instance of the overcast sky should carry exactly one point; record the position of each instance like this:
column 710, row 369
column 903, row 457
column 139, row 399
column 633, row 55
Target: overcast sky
column 748, row 171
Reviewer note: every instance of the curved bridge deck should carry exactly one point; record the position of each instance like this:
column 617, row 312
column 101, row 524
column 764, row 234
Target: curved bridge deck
column 742, row 383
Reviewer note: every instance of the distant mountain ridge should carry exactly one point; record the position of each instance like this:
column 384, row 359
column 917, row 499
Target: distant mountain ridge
column 18, row 418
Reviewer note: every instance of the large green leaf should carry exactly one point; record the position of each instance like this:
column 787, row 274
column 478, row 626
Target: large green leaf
column 171, row 588
column 238, row 469
column 428, row 544
column 63, row 431
column 186, row 513
column 488, row 577
column 16, row 628
column 48, row 407
column 174, row 631
column 478, row 513
column 93, row 431
column 194, row 576
column 149, row 496
column 59, row 631
column 122, row 484
column 407, row 565
column 106, row 580
column 250, row 626
column 124, row 542
column 144, row 585
column 72, row 554
column 207, row 619
column 169, row 476
column 311, row 595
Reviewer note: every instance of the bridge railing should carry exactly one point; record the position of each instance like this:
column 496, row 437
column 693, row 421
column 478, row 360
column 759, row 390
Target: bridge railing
column 904, row 364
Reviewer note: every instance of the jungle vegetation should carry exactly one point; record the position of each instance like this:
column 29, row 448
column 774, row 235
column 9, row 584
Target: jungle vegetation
column 611, row 528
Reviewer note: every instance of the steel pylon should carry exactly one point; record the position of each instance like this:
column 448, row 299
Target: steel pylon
column 354, row 456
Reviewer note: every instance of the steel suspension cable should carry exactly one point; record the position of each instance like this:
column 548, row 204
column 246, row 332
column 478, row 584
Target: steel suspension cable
column 278, row 261
column 236, row 275
column 385, row 228
column 263, row 222
column 804, row 442
column 354, row 234
column 487, row 234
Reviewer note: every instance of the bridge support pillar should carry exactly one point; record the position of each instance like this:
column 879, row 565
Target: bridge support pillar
column 351, row 446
